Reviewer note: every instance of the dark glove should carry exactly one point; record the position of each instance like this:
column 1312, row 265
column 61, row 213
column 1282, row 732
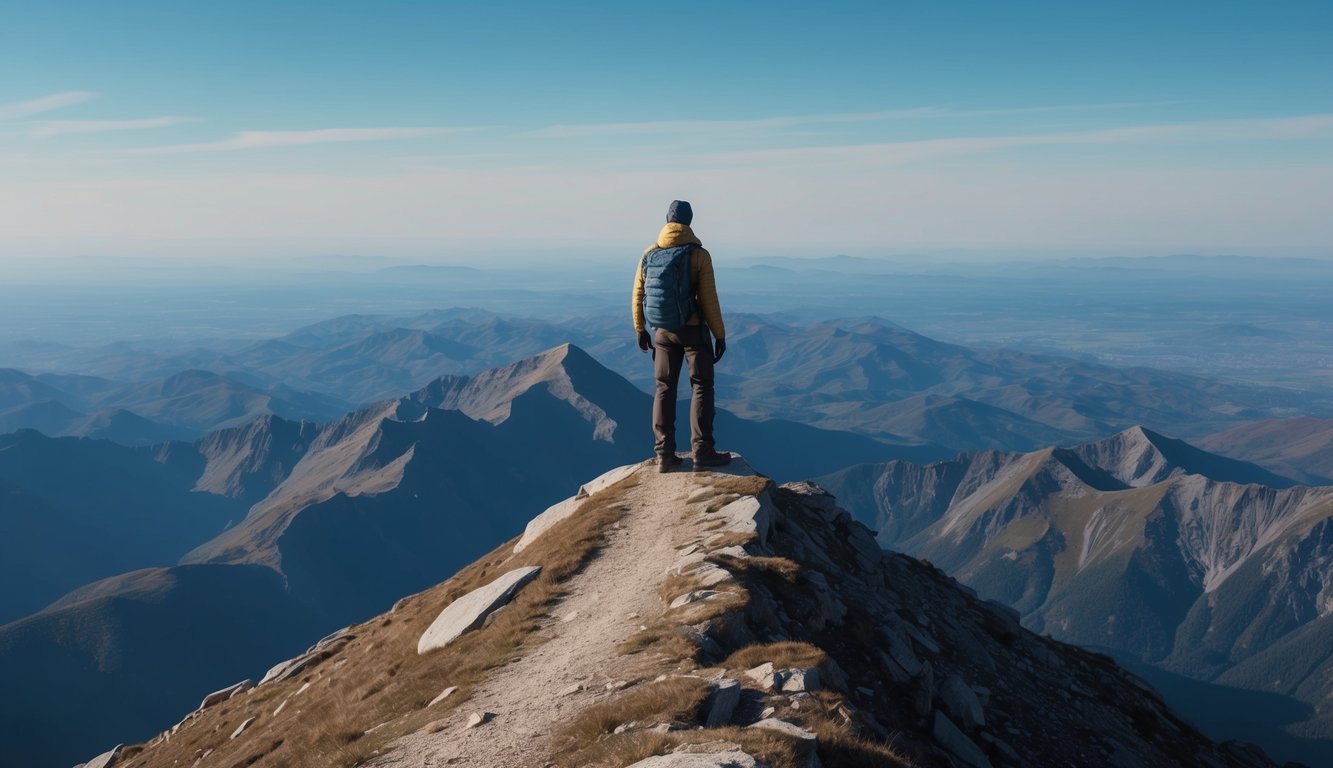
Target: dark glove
column 719, row 349
column 645, row 341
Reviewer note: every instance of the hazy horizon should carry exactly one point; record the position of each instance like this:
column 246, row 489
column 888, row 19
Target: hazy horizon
column 439, row 132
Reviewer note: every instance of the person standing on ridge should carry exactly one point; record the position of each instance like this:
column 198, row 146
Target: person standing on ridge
column 676, row 294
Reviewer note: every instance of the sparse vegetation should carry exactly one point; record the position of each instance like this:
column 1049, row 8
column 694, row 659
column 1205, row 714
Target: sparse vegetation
column 326, row 725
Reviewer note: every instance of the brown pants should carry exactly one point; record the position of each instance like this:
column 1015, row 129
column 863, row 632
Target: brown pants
column 691, row 344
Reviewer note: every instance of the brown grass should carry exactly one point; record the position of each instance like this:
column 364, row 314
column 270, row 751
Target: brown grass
column 325, row 726
column 731, row 539
column 741, row 486
column 675, row 701
column 784, row 655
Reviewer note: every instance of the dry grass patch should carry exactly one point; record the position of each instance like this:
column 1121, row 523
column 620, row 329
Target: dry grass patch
column 784, row 655
column 584, row 741
column 385, row 682
column 731, row 539
column 752, row 485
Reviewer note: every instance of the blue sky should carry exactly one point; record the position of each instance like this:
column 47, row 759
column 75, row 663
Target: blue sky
column 432, row 130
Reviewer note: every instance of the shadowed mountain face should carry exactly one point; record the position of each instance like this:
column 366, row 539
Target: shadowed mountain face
column 77, row 510
column 1140, row 544
column 107, row 662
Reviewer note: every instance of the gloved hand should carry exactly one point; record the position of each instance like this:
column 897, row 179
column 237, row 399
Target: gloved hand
column 719, row 349
column 645, row 341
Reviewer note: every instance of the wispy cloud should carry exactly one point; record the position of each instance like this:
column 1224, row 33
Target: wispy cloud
column 679, row 127
column 1304, row 127
column 267, row 139
column 18, row 110
column 47, row 128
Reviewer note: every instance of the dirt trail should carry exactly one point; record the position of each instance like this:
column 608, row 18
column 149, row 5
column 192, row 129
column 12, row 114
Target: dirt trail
column 607, row 602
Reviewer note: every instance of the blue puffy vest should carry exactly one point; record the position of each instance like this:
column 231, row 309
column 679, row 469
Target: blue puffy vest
column 668, row 289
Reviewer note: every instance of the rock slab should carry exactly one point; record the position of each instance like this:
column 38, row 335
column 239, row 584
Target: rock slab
column 469, row 611
column 106, row 759
column 686, row 760
column 958, row 744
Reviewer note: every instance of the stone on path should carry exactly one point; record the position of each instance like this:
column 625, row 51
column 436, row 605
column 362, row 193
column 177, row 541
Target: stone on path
column 469, row 611
column 477, row 718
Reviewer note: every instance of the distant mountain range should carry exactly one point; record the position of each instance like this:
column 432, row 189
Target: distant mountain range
column 864, row 375
column 182, row 405
column 325, row 524
column 1200, row 565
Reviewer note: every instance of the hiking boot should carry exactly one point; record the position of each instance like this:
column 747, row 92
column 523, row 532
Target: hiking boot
column 668, row 462
column 704, row 461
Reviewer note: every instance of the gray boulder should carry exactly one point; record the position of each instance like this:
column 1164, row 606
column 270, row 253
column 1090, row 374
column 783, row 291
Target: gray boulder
column 961, row 702
column 957, row 742
column 469, row 611
column 722, row 702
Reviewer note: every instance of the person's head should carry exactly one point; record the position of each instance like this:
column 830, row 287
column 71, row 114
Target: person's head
column 680, row 212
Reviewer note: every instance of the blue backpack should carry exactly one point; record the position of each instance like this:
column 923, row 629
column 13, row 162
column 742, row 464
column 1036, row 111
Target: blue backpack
column 668, row 290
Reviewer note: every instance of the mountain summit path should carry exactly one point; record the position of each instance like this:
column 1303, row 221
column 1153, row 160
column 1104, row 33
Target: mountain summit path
column 576, row 646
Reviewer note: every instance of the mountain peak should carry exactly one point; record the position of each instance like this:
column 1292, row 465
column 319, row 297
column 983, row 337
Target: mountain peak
column 565, row 373
column 712, row 614
column 1140, row 457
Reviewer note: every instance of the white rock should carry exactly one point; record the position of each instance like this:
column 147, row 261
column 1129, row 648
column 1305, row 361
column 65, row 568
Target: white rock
column 477, row 718
column 446, row 693
column 569, row 690
column 798, row 680
column 470, row 610
column 709, row 575
column 217, row 697
column 543, row 522
column 241, row 728
column 691, row 760
column 302, row 689
column 601, row 483
column 281, row 706
column 763, row 675
column 106, row 759
column 751, row 515
column 694, row 597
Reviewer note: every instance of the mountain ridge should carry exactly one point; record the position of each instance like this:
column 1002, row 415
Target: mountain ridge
column 745, row 624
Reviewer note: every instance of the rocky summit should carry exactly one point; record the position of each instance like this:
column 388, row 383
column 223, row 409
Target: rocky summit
column 694, row 620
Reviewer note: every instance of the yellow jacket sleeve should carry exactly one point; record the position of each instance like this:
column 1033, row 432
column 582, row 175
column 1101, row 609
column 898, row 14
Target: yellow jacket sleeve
column 705, row 292
column 636, row 296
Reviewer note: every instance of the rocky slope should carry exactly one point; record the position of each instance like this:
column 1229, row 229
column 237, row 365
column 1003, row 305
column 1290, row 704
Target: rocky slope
column 707, row 619
column 1202, row 566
